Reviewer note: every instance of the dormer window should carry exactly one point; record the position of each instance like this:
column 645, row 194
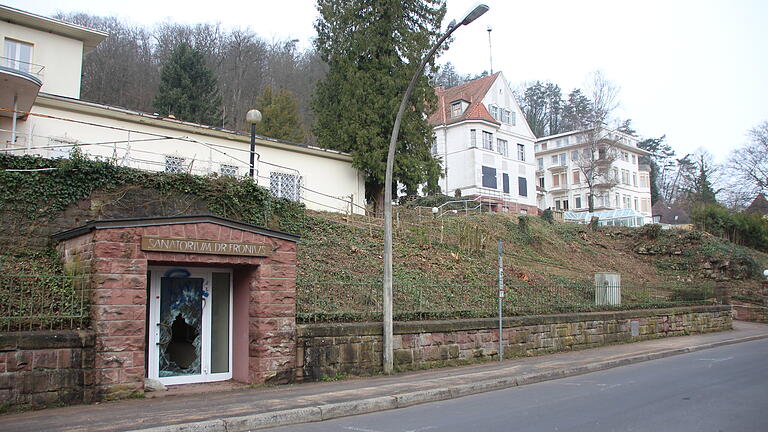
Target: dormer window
column 455, row 109
column 18, row 55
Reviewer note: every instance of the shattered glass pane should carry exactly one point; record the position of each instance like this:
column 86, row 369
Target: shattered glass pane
column 181, row 312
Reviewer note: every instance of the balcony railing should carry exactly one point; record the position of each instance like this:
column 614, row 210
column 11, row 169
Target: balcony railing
column 33, row 69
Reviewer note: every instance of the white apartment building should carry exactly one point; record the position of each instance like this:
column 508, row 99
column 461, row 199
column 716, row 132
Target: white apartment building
column 41, row 114
column 485, row 145
column 564, row 160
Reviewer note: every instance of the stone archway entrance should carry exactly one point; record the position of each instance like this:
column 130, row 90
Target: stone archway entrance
column 186, row 299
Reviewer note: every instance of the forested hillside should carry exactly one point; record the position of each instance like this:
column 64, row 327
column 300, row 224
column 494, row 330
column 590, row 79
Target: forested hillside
column 125, row 69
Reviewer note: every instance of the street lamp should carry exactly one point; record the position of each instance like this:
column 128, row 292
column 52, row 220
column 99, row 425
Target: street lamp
column 472, row 15
column 253, row 116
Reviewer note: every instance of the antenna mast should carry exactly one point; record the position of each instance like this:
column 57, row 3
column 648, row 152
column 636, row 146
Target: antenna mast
column 490, row 51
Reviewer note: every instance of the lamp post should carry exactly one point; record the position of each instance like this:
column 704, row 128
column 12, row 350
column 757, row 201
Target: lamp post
column 472, row 15
column 253, row 116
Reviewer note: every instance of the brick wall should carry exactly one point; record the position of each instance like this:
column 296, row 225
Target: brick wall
column 45, row 368
column 326, row 350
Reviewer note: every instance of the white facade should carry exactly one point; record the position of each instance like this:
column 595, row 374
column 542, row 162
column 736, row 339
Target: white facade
column 560, row 175
column 55, row 49
column 57, row 122
column 485, row 144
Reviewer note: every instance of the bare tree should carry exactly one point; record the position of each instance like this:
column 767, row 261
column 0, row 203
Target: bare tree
column 748, row 168
column 595, row 162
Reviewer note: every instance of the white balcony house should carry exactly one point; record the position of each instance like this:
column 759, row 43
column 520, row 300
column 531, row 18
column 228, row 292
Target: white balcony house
column 604, row 165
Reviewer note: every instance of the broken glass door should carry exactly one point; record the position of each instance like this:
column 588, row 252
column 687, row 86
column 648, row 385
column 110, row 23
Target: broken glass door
column 190, row 325
column 180, row 326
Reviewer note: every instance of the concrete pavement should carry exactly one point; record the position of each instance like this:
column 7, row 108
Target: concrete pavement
column 262, row 407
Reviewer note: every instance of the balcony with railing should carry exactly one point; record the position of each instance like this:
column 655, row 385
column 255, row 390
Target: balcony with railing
column 20, row 83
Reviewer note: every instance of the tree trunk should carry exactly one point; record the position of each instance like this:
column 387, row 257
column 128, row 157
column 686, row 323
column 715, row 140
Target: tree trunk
column 374, row 194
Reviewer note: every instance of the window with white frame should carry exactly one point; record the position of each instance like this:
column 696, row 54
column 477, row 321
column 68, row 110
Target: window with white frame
column 578, row 201
column 285, row 185
column 434, row 147
column 174, row 164
column 521, row 152
column 575, row 155
column 634, row 179
column 540, row 163
column 494, row 112
column 502, row 146
column 473, row 138
column 505, row 115
column 487, row 140
column 554, row 159
column 512, row 119
column 455, row 109
column 18, row 55
column 228, row 170
column 563, row 162
column 60, row 147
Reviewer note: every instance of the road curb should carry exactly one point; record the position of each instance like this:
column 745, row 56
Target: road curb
column 402, row 400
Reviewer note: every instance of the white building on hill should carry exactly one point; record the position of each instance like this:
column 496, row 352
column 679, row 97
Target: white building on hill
column 485, row 145
column 41, row 114
column 563, row 166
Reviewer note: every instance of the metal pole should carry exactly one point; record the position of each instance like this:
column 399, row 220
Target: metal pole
column 253, row 146
column 501, row 299
column 15, row 115
column 387, row 336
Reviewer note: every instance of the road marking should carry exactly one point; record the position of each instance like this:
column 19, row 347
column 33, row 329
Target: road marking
column 357, row 429
column 716, row 360
column 420, row 429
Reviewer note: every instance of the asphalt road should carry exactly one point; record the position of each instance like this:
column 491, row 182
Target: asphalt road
column 719, row 389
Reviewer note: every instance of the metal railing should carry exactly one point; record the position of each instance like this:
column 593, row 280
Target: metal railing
column 358, row 301
column 43, row 302
column 451, row 207
column 33, row 69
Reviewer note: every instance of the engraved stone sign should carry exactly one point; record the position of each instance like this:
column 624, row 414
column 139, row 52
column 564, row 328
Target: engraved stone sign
column 164, row 244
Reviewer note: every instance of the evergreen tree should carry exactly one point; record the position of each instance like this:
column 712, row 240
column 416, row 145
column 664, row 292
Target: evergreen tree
column 280, row 115
column 577, row 112
column 188, row 88
column 372, row 48
column 701, row 191
column 662, row 162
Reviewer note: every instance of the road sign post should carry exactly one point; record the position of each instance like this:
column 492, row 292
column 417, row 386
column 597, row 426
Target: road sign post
column 501, row 299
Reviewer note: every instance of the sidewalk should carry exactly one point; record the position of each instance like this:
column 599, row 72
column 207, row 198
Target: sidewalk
column 255, row 408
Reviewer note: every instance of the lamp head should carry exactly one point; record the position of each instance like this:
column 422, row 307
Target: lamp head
column 253, row 116
column 474, row 13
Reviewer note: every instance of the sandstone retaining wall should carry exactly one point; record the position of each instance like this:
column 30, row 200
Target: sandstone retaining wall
column 44, row 368
column 329, row 350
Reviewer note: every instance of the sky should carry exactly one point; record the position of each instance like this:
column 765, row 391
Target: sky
column 695, row 71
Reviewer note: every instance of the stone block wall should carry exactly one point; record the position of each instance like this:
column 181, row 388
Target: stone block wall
column 749, row 311
column 45, row 368
column 328, row 350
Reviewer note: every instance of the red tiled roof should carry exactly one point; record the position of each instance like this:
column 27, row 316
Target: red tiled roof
column 472, row 92
column 759, row 206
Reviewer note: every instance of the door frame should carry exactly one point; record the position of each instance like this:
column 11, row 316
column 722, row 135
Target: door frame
column 205, row 273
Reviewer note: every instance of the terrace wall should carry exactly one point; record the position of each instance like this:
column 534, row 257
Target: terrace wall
column 329, row 350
